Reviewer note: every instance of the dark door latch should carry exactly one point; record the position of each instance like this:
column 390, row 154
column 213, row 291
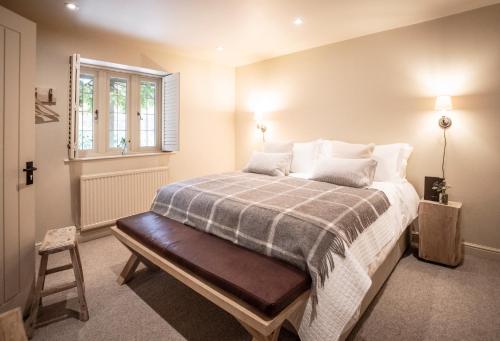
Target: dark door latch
column 29, row 172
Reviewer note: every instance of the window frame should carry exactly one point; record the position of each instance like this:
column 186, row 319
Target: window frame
column 102, row 78
column 120, row 75
column 158, row 102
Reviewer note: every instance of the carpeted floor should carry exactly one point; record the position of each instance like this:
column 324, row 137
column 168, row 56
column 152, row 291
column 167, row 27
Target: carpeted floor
column 421, row 301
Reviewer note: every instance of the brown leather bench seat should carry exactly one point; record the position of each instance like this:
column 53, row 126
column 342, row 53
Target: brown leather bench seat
column 265, row 283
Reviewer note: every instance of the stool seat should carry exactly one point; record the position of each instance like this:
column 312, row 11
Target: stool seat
column 57, row 240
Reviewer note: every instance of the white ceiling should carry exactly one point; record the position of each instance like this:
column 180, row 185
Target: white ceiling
column 249, row 30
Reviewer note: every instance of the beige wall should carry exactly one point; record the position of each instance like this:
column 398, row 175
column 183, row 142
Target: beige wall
column 207, row 119
column 381, row 88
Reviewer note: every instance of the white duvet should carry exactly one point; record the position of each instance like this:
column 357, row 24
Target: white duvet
column 344, row 290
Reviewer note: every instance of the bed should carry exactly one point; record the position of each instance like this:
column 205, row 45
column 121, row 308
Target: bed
column 367, row 239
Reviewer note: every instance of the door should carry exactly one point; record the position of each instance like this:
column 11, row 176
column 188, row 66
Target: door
column 17, row 129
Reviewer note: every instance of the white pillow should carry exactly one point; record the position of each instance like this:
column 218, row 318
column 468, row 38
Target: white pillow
column 392, row 160
column 303, row 156
column 345, row 172
column 345, row 150
column 404, row 156
column 274, row 164
column 278, row 147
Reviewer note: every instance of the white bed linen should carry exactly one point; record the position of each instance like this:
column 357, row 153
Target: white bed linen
column 301, row 175
column 340, row 298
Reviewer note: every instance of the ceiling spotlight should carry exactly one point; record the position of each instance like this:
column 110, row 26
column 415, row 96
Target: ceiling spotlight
column 298, row 21
column 71, row 6
column 219, row 48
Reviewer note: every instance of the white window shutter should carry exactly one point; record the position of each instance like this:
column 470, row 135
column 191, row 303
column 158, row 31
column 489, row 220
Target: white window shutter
column 170, row 112
column 74, row 103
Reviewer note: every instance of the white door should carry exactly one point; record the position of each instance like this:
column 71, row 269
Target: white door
column 17, row 129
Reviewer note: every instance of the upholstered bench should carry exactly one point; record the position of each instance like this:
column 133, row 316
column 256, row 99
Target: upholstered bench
column 268, row 289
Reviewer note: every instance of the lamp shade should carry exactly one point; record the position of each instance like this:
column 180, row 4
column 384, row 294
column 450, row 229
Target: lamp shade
column 443, row 103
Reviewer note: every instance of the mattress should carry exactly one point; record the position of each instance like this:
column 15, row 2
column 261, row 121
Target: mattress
column 408, row 199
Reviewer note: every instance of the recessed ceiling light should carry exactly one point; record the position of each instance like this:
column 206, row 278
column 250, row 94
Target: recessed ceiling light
column 298, row 21
column 71, row 6
column 219, row 48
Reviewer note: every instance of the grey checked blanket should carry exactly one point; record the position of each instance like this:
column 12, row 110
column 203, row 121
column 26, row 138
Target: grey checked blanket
column 302, row 222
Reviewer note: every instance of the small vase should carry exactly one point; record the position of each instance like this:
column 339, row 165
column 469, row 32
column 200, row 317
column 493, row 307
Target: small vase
column 443, row 198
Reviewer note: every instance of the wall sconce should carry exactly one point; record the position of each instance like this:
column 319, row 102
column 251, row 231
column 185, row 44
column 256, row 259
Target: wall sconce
column 260, row 125
column 443, row 104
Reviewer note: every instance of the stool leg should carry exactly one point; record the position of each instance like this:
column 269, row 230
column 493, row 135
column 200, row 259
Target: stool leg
column 38, row 294
column 84, row 313
column 40, row 301
column 77, row 251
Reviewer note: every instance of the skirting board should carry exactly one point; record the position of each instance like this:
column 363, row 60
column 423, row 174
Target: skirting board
column 94, row 233
column 482, row 250
column 469, row 248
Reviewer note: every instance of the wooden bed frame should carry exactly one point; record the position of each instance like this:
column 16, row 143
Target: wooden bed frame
column 261, row 327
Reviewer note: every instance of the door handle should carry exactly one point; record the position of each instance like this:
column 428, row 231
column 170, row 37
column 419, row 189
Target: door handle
column 29, row 172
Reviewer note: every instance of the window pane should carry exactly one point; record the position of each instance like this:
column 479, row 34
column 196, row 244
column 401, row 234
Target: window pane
column 148, row 114
column 86, row 113
column 151, row 138
column 117, row 112
column 151, row 122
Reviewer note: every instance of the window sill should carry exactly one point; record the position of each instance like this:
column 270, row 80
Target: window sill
column 119, row 156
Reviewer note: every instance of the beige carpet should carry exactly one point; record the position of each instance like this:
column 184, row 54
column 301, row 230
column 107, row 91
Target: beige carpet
column 421, row 301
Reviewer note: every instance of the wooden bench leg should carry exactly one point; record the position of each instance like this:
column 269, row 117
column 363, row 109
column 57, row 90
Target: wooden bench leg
column 257, row 336
column 38, row 294
column 128, row 269
column 84, row 313
column 295, row 317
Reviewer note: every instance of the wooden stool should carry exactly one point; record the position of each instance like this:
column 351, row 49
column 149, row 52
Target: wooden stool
column 58, row 240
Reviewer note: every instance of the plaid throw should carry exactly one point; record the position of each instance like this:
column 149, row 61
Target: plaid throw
column 302, row 222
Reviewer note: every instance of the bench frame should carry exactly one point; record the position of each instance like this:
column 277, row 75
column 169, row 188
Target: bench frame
column 261, row 328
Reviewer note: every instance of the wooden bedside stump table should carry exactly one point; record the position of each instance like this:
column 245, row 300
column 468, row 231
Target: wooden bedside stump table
column 440, row 237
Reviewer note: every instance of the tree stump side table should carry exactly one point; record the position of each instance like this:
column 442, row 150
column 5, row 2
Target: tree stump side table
column 440, row 237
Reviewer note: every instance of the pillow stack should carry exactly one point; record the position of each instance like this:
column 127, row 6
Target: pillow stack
column 345, row 164
column 275, row 160
column 337, row 162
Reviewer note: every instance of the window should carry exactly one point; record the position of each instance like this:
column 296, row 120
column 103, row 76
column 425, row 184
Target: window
column 117, row 109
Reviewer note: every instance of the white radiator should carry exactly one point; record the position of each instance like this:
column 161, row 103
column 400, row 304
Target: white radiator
column 106, row 197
